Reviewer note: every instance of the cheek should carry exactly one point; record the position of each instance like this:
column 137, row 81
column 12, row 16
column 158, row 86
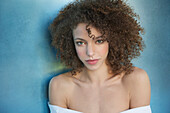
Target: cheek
column 80, row 52
column 104, row 50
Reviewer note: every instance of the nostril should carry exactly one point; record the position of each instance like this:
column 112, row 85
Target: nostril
column 90, row 51
column 90, row 48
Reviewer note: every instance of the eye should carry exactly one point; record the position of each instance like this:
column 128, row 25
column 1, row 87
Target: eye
column 79, row 43
column 99, row 41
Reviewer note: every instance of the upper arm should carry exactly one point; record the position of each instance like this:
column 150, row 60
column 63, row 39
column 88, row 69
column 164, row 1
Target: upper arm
column 140, row 89
column 57, row 92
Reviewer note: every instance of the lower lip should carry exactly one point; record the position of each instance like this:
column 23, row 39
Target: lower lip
column 92, row 62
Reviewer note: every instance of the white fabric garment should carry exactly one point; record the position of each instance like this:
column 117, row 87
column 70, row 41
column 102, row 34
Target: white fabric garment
column 57, row 109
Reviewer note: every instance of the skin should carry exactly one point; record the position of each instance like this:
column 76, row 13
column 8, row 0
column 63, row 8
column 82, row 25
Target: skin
column 87, row 47
column 91, row 91
column 97, row 49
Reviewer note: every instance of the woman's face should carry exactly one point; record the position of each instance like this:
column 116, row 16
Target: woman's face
column 91, row 51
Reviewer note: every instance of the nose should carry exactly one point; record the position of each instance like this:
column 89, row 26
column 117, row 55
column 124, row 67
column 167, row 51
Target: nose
column 90, row 50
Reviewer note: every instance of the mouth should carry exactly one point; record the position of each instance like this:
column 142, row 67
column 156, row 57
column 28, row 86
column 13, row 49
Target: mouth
column 92, row 62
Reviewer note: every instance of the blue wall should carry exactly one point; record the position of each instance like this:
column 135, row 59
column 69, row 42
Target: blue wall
column 27, row 62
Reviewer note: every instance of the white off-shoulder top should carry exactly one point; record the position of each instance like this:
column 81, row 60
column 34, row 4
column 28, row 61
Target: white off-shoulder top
column 58, row 109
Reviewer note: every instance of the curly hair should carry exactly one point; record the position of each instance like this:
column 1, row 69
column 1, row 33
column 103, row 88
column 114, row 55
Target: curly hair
column 114, row 18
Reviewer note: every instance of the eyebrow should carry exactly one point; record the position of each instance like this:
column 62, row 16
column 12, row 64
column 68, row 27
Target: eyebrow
column 79, row 39
column 85, row 40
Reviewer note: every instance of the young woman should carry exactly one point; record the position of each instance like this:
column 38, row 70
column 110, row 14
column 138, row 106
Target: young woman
column 97, row 39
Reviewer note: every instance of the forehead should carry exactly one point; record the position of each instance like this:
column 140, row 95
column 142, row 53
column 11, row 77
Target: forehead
column 81, row 31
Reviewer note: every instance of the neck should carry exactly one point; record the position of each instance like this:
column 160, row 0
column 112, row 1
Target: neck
column 96, row 77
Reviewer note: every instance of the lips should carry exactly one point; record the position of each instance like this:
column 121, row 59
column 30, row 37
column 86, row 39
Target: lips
column 92, row 62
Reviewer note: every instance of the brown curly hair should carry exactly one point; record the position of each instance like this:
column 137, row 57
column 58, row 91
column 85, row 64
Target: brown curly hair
column 114, row 18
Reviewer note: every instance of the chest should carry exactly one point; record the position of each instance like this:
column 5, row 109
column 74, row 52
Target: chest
column 106, row 99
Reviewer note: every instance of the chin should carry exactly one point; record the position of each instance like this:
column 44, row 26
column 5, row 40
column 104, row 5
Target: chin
column 92, row 67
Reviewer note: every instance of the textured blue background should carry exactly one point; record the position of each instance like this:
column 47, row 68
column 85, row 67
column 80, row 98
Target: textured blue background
column 27, row 62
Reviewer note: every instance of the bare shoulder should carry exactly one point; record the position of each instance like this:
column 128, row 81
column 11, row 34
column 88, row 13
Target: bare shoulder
column 139, row 87
column 59, row 87
column 138, row 75
column 65, row 77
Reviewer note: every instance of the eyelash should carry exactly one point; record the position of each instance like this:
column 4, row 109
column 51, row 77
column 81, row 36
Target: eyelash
column 102, row 41
column 78, row 43
column 97, row 42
